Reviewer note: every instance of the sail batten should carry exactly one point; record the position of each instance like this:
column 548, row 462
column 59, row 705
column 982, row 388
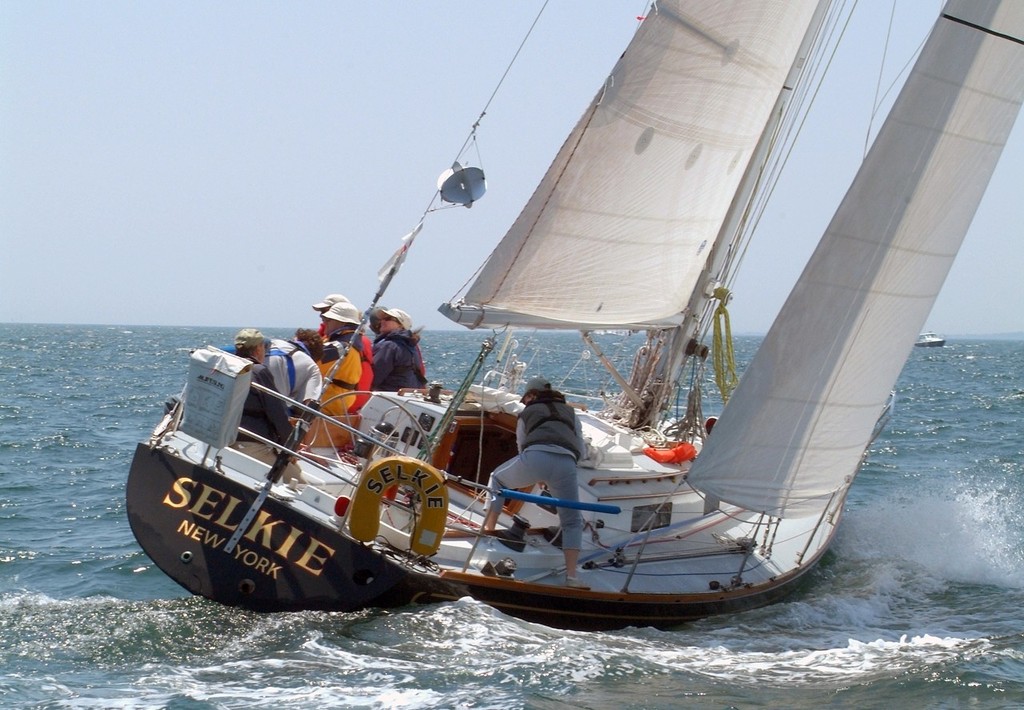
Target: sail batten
column 796, row 428
column 619, row 230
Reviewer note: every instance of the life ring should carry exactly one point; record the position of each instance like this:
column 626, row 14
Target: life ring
column 427, row 481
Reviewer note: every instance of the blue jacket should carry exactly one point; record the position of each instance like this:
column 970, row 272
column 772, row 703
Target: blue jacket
column 397, row 362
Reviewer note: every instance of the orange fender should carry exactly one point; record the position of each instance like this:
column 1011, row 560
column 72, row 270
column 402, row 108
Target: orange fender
column 679, row 453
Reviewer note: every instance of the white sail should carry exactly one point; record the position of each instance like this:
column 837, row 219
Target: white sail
column 618, row 231
column 794, row 431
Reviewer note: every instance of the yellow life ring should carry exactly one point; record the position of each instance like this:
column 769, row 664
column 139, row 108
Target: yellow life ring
column 427, row 481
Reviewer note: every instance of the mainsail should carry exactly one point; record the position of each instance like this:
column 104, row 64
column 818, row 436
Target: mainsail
column 794, row 431
column 618, row 232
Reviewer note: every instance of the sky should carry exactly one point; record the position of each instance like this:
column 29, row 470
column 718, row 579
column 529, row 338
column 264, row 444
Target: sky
column 228, row 164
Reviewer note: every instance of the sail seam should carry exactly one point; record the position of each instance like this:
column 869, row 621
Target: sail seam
column 981, row 28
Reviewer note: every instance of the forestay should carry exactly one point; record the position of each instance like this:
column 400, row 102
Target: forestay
column 795, row 429
column 618, row 232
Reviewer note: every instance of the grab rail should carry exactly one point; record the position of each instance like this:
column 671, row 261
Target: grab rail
column 560, row 502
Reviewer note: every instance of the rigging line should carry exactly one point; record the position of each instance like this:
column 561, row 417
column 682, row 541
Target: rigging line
column 472, row 131
column 579, row 133
column 504, row 75
column 476, row 124
column 878, row 83
column 508, row 69
column 894, row 83
column 788, row 140
column 785, row 138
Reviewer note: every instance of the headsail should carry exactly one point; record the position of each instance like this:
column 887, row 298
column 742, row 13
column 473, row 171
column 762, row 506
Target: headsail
column 618, row 232
column 795, row 429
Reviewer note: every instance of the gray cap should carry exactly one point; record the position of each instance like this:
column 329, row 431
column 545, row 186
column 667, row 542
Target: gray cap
column 248, row 338
column 536, row 384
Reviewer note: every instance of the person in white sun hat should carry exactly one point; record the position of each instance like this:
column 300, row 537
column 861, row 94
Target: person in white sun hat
column 397, row 361
column 355, row 372
column 325, row 303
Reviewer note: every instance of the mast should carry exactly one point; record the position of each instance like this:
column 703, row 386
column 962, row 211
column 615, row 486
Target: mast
column 675, row 346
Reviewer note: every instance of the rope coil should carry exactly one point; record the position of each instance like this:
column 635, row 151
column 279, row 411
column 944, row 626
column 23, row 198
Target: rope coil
column 724, row 356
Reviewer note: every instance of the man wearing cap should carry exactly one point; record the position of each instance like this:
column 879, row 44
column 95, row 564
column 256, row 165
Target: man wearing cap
column 263, row 414
column 550, row 441
column 397, row 361
column 325, row 303
column 355, row 371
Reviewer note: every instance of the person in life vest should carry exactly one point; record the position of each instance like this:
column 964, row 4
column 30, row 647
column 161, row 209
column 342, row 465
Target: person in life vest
column 263, row 414
column 355, row 371
column 293, row 363
column 550, row 441
column 397, row 360
column 324, row 304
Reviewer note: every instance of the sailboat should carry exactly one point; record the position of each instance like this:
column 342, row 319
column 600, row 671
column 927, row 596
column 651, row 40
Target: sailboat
column 659, row 177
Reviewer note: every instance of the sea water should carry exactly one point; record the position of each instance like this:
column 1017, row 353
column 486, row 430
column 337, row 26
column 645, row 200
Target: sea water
column 919, row 604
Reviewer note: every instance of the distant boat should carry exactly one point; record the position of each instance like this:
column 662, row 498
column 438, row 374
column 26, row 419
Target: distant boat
column 929, row 340
column 635, row 226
